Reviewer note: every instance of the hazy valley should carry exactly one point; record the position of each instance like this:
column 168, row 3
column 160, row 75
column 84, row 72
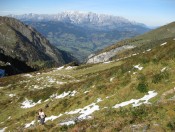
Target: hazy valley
column 81, row 33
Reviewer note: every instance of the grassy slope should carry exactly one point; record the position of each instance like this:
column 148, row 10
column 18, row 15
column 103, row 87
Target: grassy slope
column 145, row 41
column 97, row 80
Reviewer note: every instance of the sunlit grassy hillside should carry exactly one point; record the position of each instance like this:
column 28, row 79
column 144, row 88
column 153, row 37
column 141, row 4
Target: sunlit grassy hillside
column 143, row 42
column 130, row 94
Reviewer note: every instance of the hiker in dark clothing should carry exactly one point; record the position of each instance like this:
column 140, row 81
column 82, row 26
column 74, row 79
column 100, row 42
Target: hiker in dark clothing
column 41, row 116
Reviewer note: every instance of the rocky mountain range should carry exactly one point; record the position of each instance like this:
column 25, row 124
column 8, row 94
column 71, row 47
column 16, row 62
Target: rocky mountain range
column 22, row 42
column 84, row 19
column 82, row 33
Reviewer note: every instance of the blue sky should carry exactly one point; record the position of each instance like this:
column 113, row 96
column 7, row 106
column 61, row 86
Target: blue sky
column 150, row 12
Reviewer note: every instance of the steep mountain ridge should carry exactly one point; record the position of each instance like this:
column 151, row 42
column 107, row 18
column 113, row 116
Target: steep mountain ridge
column 26, row 44
column 88, row 19
column 139, row 44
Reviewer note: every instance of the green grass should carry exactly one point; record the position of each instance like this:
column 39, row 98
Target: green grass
column 113, row 82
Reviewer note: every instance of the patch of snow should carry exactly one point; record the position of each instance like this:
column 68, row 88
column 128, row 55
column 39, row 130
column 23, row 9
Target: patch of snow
column 12, row 95
column 106, row 62
column 109, row 96
column 56, row 96
column 163, row 44
column 117, row 59
column 73, row 93
column 60, row 82
column 148, row 50
column 125, row 57
column 124, row 103
column 86, row 92
column 1, row 87
column 51, row 118
column 38, row 79
column 135, row 54
column 29, row 103
column 69, row 67
column 36, row 87
column 68, row 123
column 85, row 112
column 27, row 75
column 99, row 100
column 111, row 79
column 51, row 80
column 29, row 124
column 3, row 129
column 138, row 67
column 8, row 86
column 46, row 100
column 24, row 81
column 73, row 112
column 137, row 102
column 9, row 118
column 8, row 63
column 163, row 69
column 62, row 95
column 59, row 68
column 146, row 98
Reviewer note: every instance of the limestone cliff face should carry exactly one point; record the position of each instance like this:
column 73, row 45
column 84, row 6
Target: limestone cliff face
column 84, row 19
column 20, row 41
column 105, row 56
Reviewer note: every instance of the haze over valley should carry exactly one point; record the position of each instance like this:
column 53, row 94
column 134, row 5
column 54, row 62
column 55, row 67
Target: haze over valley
column 80, row 33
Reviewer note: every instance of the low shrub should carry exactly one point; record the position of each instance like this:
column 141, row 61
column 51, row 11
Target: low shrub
column 141, row 77
column 160, row 76
column 142, row 87
column 171, row 124
column 139, row 112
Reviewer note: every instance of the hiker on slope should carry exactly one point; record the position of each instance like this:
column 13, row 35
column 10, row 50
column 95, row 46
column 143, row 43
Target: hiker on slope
column 41, row 116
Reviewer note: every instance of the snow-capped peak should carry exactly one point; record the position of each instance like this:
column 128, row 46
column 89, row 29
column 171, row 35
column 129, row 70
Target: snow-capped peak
column 81, row 18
